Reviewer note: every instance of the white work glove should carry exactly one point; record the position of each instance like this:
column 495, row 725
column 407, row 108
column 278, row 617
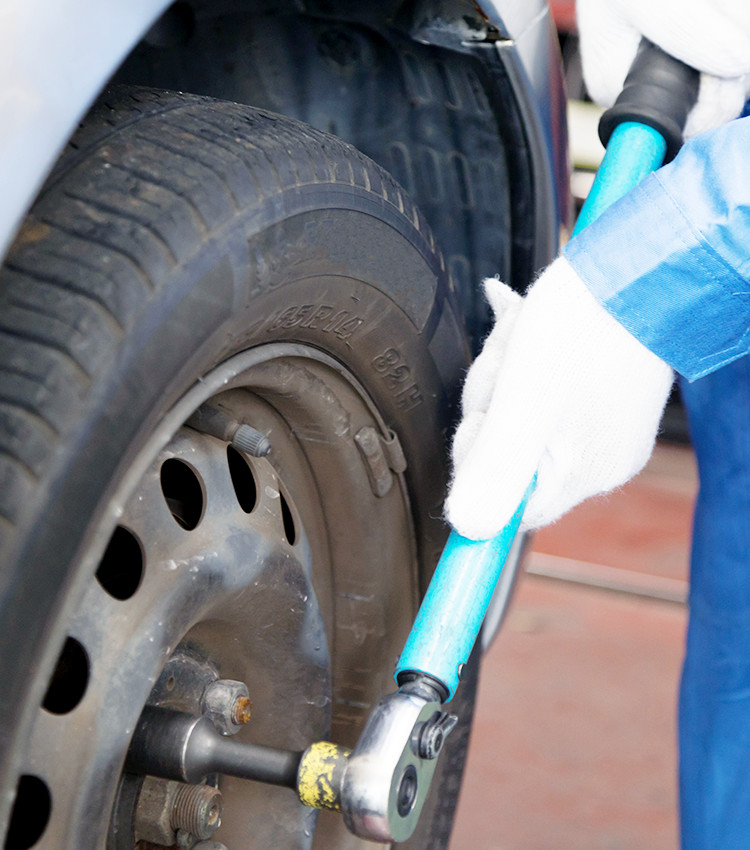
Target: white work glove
column 561, row 389
column 712, row 36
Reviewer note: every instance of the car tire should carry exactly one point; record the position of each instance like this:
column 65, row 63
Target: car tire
column 187, row 252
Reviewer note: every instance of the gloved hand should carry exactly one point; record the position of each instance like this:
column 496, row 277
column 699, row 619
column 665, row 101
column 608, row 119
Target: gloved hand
column 560, row 388
column 712, row 36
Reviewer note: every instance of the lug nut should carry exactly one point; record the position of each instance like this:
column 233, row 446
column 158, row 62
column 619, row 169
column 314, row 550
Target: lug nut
column 226, row 703
column 197, row 810
column 173, row 811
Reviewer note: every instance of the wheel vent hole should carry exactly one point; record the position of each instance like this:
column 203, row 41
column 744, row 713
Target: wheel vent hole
column 121, row 568
column 290, row 530
column 30, row 815
column 183, row 492
column 70, row 679
column 243, row 480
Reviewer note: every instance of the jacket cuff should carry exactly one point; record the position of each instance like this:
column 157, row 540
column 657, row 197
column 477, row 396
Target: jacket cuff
column 662, row 280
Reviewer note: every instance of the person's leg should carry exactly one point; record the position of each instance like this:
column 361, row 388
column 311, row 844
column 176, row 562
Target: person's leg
column 714, row 728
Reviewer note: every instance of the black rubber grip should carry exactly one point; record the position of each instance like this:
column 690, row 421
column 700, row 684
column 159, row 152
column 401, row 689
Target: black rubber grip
column 659, row 91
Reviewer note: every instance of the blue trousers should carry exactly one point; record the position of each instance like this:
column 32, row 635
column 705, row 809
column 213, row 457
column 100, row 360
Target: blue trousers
column 714, row 710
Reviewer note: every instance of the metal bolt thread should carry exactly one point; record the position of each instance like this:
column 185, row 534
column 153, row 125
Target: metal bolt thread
column 197, row 809
column 250, row 440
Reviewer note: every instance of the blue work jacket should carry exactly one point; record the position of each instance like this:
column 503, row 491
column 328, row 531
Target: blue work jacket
column 671, row 259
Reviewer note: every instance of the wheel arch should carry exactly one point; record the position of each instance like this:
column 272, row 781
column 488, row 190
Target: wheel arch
column 84, row 43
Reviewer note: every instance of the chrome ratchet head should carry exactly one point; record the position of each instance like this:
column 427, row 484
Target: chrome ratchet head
column 391, row 768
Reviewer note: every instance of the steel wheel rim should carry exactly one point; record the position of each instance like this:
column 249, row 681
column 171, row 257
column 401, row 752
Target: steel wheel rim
column 188, row 592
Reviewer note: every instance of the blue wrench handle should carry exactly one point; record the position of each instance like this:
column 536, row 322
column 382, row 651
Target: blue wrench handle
column 633, row 151
column 455, row 604
column 659, row 91
column 459, row 594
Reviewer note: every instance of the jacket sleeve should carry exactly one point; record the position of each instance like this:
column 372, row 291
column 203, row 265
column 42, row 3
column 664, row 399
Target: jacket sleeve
column 671, row 259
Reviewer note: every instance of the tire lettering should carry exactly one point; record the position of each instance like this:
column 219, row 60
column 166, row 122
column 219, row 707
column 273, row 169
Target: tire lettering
column 385, row 360
column 396, row 375
column 409, row 398
column 347, row 329
column 323, row 312
column 336, row 321
column 342, row 324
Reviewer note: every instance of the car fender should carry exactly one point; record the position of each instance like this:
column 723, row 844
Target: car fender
column 56, row 57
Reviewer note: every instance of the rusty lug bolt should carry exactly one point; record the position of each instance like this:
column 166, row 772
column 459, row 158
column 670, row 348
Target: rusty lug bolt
column 197, row 810
column 243, row 711
column 226, row 703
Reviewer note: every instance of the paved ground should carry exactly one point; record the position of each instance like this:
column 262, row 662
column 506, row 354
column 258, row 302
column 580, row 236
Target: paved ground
column 573, row 746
